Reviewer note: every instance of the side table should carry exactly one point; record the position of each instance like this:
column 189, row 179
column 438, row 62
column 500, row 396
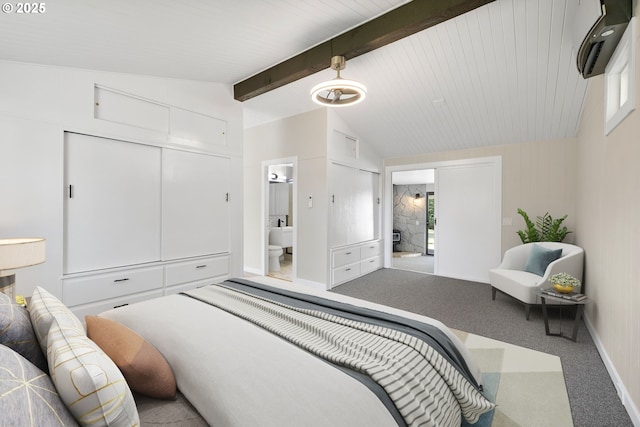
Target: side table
column 562, row 301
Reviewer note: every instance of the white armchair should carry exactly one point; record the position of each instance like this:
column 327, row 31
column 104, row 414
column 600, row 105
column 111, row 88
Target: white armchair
column 512, row 279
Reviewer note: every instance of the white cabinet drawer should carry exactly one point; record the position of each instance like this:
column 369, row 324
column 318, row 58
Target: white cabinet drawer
column 345, row 273
column 190, row 271
column 369, row 265
column 98, row 287
column 369, row 250
column 191, row 285
column 96, row 308
column 345, row 256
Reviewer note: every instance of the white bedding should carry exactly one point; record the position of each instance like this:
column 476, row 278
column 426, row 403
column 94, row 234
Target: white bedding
column 236, row 374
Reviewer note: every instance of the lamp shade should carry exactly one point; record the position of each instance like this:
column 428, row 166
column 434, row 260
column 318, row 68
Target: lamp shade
column 21, row 252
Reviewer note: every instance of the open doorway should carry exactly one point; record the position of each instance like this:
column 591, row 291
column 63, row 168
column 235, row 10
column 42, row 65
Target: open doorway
column 413, row 220
column 280, row 218
column 467, row 220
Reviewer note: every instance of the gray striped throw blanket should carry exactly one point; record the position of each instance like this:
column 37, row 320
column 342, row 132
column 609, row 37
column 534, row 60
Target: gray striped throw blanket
column 423, row 385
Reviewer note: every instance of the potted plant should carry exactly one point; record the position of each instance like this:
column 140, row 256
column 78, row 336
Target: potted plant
column 545, row 229
column 564, row 282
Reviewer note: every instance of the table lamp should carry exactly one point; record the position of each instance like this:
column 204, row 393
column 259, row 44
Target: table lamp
column 18, row 253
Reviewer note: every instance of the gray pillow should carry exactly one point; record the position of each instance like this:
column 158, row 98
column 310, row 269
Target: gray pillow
column 27, row 395
column 17, row 333
column 540, row 258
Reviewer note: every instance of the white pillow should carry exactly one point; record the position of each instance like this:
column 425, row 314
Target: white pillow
column 87, row 380
column 43, row 308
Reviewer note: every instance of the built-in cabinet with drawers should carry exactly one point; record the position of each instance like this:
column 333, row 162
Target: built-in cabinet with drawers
column 354, row 213
column 184, row 275
column 141, row 221
column 352, row 261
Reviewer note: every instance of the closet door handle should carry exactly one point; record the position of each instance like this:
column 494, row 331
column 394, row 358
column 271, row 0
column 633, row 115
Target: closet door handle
column 70, row 191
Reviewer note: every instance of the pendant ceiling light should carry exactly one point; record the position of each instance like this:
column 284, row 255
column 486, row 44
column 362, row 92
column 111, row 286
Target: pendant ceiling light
column 338, row 92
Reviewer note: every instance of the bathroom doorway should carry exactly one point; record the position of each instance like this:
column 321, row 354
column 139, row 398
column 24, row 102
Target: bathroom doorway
column 279, row 178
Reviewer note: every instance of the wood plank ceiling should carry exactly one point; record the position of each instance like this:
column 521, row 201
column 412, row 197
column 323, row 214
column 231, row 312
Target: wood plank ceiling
column 392, row 26
column 502, row 73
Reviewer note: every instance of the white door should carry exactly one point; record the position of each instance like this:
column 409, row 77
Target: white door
column 195, row 208
column 353, row 205
column 342, row 181
column 468, row 212
column 364, row 206
column 112, row 205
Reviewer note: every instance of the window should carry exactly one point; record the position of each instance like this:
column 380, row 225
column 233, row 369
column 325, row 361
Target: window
column 620, row 81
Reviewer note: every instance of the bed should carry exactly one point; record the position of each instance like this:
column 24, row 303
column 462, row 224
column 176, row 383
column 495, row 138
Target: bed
column 245, row 353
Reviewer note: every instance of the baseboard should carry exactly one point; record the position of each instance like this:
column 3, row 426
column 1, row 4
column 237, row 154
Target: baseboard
column 254, row 271
column 311, row 284
column 623, row 393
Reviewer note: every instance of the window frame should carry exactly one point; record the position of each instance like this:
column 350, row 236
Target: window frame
column 619, row 80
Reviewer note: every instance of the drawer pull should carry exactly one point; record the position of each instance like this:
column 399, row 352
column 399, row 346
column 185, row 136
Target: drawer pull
column 348, row 253
column 372, row 260
column 121, row 305
column 121, row 280
column 348, row 269
column 201, row 266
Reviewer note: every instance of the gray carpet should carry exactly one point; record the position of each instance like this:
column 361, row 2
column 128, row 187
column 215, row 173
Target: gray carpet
column 468, row 306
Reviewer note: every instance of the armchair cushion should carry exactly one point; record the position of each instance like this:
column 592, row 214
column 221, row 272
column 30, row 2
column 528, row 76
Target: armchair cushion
column 540, row 258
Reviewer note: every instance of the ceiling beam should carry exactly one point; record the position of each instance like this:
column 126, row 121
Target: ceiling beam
column 401, row 22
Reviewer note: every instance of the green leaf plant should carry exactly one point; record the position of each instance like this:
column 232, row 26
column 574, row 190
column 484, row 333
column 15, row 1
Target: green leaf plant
column 545, row 229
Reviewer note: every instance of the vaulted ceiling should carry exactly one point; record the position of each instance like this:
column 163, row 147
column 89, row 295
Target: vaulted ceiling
column 502, row 73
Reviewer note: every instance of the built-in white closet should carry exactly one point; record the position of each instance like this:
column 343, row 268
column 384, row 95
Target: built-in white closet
column 134, row 181
column 354, row 213
column 140, row 221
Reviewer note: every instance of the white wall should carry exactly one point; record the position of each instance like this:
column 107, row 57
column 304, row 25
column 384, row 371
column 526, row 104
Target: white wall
column 608, row 228
column 39, row 103
column 303, row 136
column 537, row 176
column 308, row 137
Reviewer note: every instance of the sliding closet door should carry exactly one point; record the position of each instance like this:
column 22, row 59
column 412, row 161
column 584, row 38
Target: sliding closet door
column 468, row 221
column 195, row 204
column 112, row 205
column 353, row 205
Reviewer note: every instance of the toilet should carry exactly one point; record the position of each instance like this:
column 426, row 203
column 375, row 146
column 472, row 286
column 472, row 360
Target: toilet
column 274, row 257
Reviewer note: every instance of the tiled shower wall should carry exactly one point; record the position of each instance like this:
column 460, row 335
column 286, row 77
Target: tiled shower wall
column 410, row 217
